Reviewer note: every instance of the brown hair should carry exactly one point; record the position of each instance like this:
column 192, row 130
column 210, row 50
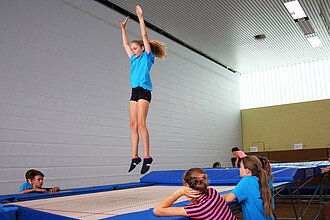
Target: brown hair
column 30, row 174
column 266, row 166
column 196, row 178
column 255, row 166
column 157, row 48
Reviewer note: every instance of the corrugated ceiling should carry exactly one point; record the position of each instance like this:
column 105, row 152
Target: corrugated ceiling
column 225, row 29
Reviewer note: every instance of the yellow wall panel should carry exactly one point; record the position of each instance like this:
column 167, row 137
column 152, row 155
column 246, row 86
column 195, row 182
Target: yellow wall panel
column 280, row 127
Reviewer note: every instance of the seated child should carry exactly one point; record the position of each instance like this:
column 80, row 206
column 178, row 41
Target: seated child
column 206, row 203
column 253, row 191
column 236, row 161
column 34, row 181
column 217, row 165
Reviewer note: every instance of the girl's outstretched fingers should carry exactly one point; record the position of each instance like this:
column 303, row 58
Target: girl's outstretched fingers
column 123, row 24
column 138, row 10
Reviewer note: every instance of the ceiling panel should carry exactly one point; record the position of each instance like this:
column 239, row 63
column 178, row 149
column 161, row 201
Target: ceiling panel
column 225, row 29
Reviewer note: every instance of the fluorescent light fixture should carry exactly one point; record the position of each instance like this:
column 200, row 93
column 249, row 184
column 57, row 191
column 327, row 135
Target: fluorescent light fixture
column 295, row 9
column 315, row 41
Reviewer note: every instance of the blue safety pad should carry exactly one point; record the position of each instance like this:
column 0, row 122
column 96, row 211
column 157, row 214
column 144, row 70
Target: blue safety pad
column 218, row 176
column 69, row 192
column 8, row 212
column 24, row 213
column 282, row 172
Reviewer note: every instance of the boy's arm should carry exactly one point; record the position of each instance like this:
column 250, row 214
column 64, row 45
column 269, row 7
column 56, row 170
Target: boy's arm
column 125, row 39
column 145, row 39
column 33, row 190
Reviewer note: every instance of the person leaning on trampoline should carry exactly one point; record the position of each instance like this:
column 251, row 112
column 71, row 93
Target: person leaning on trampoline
column 253, row 191
column 206, row 203
column 35, row 180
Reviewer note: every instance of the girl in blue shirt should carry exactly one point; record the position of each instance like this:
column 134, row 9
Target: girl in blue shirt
column 142, row 55
column 253, row 190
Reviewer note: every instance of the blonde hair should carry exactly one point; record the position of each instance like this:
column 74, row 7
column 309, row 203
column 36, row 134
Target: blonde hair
column 255, row 166
column 157, row 48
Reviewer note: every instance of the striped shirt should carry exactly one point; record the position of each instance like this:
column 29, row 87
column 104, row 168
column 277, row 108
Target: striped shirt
column 210, row 206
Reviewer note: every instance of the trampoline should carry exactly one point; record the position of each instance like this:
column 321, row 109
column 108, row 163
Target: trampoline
column 136, row 200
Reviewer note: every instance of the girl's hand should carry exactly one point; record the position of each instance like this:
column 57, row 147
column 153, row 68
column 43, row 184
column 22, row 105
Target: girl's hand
column 123, row 24
column 138, row 10
column 190, row 193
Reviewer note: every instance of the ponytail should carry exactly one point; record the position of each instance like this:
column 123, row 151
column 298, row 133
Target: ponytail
column 158, row 48
column 255, row 166
column 266, row 166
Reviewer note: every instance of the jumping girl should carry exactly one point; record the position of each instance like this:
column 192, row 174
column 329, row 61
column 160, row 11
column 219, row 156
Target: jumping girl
column 206, row 203
column 142, row 55
column 253, row 190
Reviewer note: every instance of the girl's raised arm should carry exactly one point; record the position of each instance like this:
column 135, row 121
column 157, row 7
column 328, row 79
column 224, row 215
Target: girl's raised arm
column 125, row 39
column 145, row 39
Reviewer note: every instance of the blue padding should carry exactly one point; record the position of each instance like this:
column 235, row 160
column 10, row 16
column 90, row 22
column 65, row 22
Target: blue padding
column 24, row 213
column 283, row 172
column 8, row 212
column 77, row 191
column 219, row 176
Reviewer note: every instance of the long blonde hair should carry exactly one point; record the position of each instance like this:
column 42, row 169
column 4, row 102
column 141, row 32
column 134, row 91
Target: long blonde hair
column 158, row 48
column 255, row 166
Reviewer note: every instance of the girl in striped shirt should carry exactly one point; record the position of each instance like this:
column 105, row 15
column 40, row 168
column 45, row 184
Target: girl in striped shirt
column 206, row 203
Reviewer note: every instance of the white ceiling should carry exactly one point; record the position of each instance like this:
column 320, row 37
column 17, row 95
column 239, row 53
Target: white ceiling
column 225, row 29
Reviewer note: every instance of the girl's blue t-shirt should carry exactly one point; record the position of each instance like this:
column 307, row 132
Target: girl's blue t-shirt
column 247, row 192
column 140, row 70
column 25, row 186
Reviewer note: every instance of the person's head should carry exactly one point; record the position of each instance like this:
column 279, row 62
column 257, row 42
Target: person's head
column 36, row 178
column 234, row 151
column 251, row 166
column 28, row 175
column 157, row 48
column 196, row 179
column 266, row 166
column 217, row 165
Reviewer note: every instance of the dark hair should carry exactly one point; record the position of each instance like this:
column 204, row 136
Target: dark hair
column 234, row 149
column 216, row 164
column 196, row 178
column 266, row 166
column 157, row 47
column 255, row 166
column 30, row 174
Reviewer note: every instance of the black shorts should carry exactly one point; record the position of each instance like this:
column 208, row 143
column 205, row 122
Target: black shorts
column 140, row 93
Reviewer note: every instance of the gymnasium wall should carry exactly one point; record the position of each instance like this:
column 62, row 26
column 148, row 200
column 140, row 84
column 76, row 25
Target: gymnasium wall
column 278, row 128
column 65, row 89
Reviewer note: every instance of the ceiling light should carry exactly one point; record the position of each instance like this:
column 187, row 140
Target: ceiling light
column 295, row 9
column 314, row 41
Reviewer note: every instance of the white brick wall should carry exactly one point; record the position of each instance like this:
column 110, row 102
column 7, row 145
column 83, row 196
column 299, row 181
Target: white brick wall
column 64, row 94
